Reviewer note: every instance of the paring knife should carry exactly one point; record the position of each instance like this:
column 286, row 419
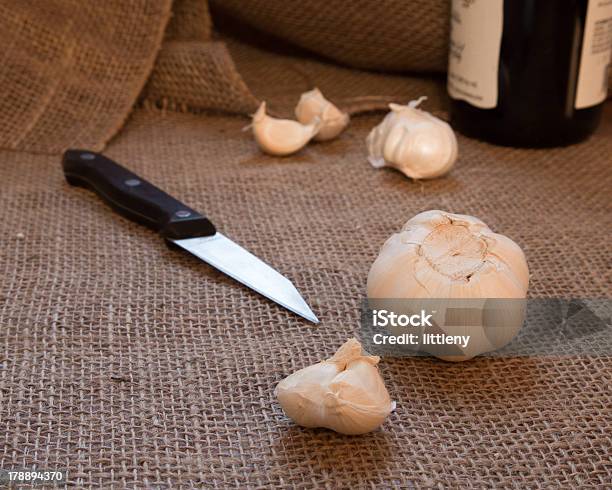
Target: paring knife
column 142, row 202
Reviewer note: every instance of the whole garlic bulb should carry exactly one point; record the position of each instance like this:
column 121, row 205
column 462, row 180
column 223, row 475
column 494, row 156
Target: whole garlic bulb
column 344, row 393
column 413, row 141
column 281, row 137
column 313, row 105
column 439, row 255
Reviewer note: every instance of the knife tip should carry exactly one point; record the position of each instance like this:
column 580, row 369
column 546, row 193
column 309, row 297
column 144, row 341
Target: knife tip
column 310, row 316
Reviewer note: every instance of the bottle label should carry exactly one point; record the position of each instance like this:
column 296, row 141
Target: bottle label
column 475, row 40
column 595, row 56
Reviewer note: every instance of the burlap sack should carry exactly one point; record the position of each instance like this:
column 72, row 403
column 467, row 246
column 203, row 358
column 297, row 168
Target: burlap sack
column 402, row 36
column 389, row 35
column 136, row 366
column 72, row 69
column 190, row 21
column 195, row 75
column 193, row 72
column 396, row 35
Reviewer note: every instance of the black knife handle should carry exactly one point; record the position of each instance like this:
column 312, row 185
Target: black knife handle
column 134, row 197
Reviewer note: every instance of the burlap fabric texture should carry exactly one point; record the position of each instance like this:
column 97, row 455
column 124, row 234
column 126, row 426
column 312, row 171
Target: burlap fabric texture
column 400, row 36
column 135, row 366
column 72, row 71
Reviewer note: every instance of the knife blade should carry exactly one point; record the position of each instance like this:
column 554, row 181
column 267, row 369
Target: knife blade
column 142, row 202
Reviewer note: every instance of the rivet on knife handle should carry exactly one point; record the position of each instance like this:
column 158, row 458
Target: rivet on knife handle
column 134, row 197
column 142, row 202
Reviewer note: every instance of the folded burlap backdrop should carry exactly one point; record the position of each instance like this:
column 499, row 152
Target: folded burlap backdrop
column 132, row 365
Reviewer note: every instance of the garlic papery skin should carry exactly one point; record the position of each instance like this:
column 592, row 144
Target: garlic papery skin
column 413, row 141
column 443, row 256
column 313, row 105
column 344, row 393
column 281, row 137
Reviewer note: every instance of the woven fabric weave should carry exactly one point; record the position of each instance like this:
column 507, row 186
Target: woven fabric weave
column 194, row 75
column 402, row 35
column 194, row 72
column 72, row 69
column 190, row 21
column 134, row 365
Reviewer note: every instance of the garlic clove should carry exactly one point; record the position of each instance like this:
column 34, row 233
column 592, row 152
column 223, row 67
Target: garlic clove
column 479, row 342
column 413, row 141
column 281, row 137
column 489, row 281
column 347, row 352
column 359, row 398
column 376, row 139
column 386, row 278
column 312, row 105
column 300, row 394
column 515, row 258
column 345, row 393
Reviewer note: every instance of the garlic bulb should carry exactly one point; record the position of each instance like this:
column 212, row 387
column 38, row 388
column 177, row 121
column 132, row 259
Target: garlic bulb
column 442, row 256
column 345, row 393
column 413, row 141
column 313, row 105
column 281, row 136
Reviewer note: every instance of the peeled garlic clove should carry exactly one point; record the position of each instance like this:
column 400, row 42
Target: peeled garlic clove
column 344, row 393
column 281, row 137
column 413, row 141
column 439, row 255
column 313, row 105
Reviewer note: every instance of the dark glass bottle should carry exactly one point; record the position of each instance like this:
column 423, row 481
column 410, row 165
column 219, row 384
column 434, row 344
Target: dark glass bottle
column 553, row 58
